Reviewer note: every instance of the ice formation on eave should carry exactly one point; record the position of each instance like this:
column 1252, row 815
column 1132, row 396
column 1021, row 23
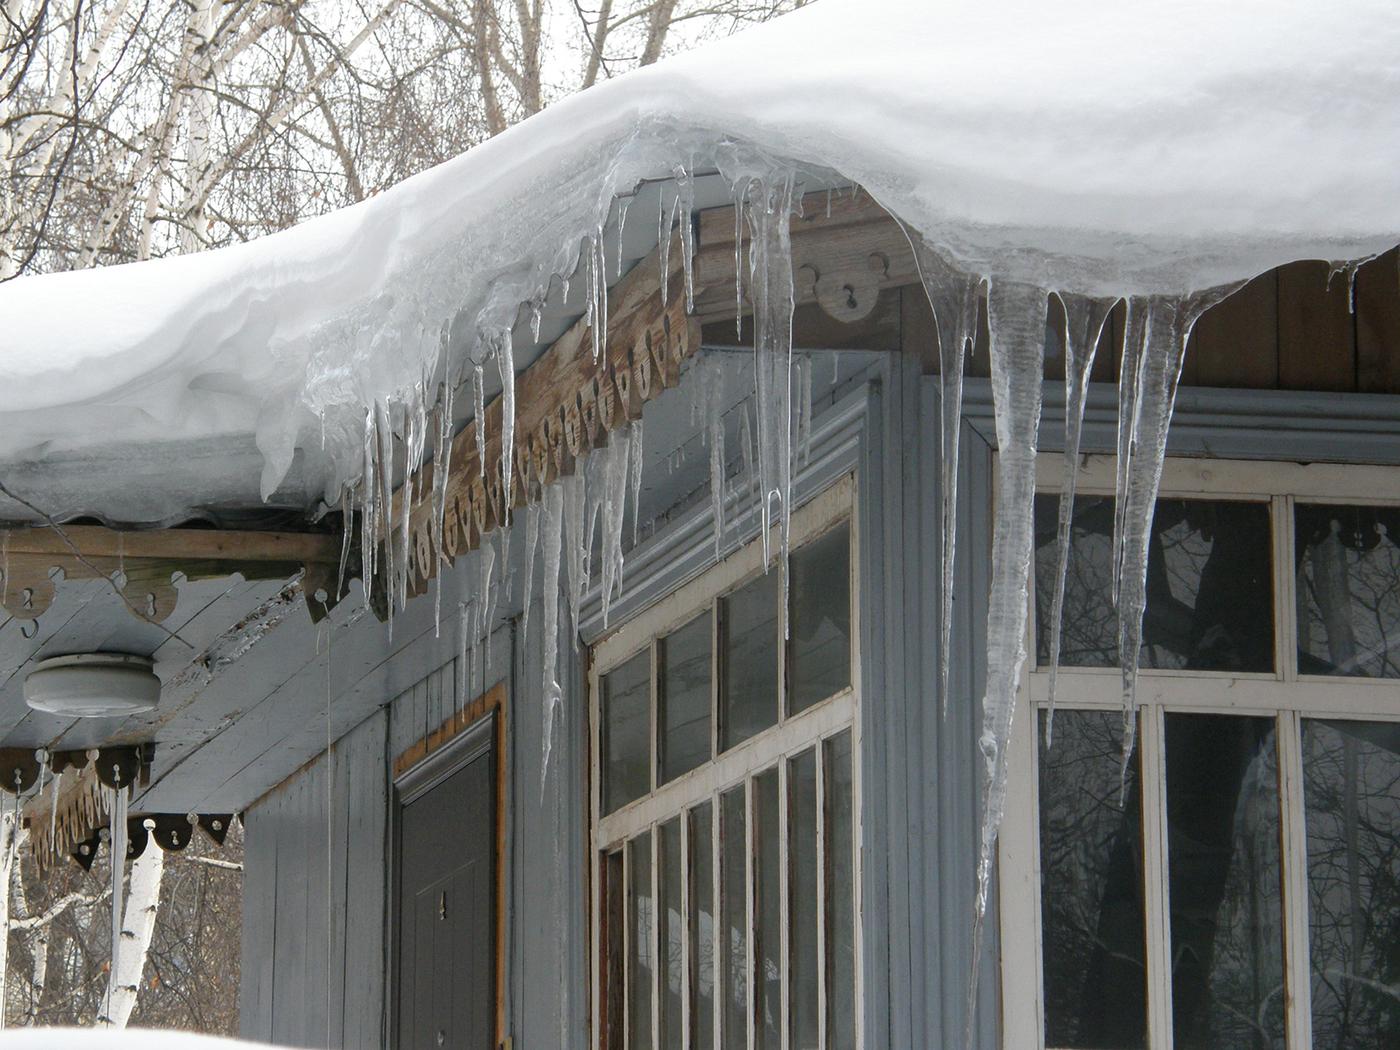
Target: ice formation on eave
column 1156, row 152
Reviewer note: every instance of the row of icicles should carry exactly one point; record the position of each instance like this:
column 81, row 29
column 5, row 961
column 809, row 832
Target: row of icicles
column 563, row 519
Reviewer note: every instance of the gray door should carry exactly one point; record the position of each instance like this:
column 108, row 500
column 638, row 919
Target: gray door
column 445, row 903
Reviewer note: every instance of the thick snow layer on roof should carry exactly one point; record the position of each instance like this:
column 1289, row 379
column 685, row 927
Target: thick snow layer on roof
column 1136, row 147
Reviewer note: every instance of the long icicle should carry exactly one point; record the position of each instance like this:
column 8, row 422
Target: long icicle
column 1016, row 318
column 1084, row 323
column 550, row 692
column 954, row 298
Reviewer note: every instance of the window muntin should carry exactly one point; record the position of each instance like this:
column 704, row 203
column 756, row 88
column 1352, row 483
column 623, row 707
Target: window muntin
column 757, row 823
column 1285, row 949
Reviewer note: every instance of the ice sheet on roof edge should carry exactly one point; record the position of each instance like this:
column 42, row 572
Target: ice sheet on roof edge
column 1169, row 230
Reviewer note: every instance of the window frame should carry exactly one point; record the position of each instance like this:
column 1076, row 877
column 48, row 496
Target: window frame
column 1283, row 695
column 771, row 748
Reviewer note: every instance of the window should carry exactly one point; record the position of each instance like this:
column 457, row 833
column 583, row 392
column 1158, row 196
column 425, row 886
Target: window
column 724, row 807
column 1237, row 885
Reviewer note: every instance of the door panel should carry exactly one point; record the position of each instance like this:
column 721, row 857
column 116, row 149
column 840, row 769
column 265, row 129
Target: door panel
column 445, row 902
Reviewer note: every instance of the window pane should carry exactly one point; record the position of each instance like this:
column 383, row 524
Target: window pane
column 641, row 963
column 768, row 918
column 1351, row 777
column 613, row 1027
column 626, row 729
column 671, row 962
column 1091, row 886
column 819, row 646
column 734, row 919
column 749, row 621
column 1348, row 590
column 702, row 929
column 684, row 698
column 804, row 978
column 1209, row 589
column 840, row 896
column 1224, row 877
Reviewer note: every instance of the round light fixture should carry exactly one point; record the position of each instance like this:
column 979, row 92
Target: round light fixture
column 92, row 685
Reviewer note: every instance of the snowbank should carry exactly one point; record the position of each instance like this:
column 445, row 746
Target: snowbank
column 1140, row 147
column 126, row 1039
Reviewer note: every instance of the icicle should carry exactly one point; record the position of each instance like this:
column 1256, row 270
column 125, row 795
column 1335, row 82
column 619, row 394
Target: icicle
column 1084, row 322
column 549, row 590
column 536, row 317
column 804, row 411
column 746, row 449
column 1166, row 329
column 771, row 291
column 601, row 314
column 55, row 786
column 595, row 318
column 740, row 194
column 479, row 410
column 1016, row 314
column 1129, row 383
column 717, row 486
column 634, row 460
column 532, row 538
column 576, row 553
column 505, row 361
column 487, row 565
column 663, row 235
column 117, row 806
column 405, row 533
column 685, row 206
column 953, row 297
column 613, row 503
column 623, row 203
column 386, row 503
column 347, row 524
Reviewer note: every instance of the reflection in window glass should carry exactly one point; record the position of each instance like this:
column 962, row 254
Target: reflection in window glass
column 1348, row 590
column 1224, row 881
column 841, row 895
column 1209, row 589
column 641, row 962
column 702, row 929
column 626, row 728
column 1091, row 886
column 1351, row 785
column 768, row 918
column 819, row 646
column 804, row 977
column 749, row 625
column 671, row 935
column 734, row 922
column 683, row 713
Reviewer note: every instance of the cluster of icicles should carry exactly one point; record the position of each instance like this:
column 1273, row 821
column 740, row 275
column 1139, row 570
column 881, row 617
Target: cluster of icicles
column 562, row 521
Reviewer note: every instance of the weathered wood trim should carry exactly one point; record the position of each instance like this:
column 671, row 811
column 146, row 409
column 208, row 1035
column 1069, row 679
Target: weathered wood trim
column 452, row 726
column 149, row 559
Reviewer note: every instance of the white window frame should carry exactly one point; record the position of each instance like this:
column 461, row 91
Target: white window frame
column 1282, row 694
column 791, row 736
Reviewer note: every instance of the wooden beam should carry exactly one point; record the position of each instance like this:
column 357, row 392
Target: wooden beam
column 147, row 561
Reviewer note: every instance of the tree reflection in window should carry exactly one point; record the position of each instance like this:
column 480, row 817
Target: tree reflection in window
column 1348, row 568
column 1209, row 589
column 1352, row 792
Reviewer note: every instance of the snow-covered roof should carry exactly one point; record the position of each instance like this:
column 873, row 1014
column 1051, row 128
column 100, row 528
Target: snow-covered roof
column 1139, row 147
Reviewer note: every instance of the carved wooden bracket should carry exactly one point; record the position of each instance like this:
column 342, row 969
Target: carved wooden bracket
column 143, row 565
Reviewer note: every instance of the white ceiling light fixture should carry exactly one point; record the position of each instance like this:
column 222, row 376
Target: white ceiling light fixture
column 93, row 685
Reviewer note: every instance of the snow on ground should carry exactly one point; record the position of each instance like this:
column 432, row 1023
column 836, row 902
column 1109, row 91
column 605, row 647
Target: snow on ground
column 1141, row 147
column 126, row 1039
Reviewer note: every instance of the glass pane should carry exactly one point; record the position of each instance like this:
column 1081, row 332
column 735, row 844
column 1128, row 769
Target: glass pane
column 803, row 905
column 1224, row 878
column 768, row 916
column 1091, row 886
column 672, row 961
column 734, row 920
column 684, row 699
column 1351, row 778
column 1209, row 589
column 1348, row 590
column 702, row 929
column 626, row 731
column 749, row 622
column 613, row 1028
column 840, row 896
column 641, row 961
column 819, row 646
